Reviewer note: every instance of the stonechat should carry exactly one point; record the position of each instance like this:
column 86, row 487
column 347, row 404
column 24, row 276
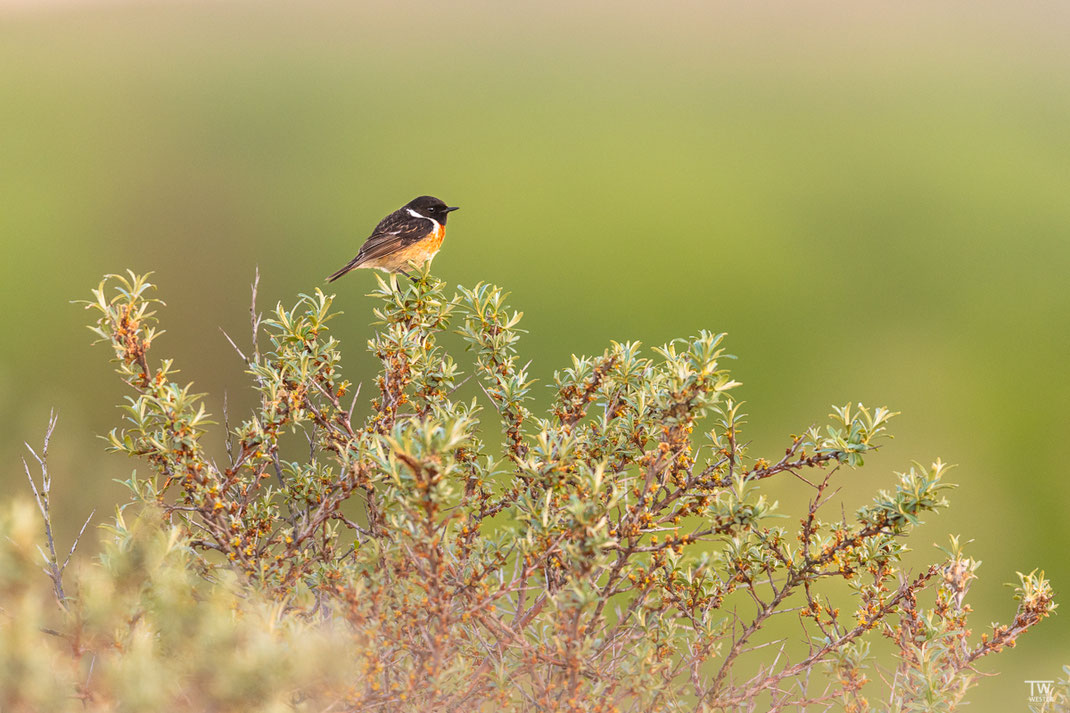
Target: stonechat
column 411, row 234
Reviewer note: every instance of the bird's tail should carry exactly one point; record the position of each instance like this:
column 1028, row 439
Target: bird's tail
column 353, row 264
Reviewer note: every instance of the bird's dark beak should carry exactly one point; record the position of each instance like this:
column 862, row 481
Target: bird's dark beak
column 450, row 209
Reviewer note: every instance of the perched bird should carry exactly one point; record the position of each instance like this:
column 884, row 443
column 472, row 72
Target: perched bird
column 412, row 233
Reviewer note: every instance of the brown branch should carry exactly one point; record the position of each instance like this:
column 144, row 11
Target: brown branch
column 753, row 689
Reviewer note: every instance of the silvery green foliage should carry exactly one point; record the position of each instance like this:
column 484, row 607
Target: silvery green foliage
column 614, row 552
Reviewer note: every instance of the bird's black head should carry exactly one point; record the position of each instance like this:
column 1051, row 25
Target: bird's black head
column 430, row 207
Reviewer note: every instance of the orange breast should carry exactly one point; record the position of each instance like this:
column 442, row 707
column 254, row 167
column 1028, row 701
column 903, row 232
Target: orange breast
column 434, row 240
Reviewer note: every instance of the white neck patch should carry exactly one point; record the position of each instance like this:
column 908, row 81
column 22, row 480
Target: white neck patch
column 414, row 214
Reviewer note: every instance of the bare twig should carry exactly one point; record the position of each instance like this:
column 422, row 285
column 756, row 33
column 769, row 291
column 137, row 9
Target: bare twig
column 42, row 495
column 228, row 444
column 77, row 539
column 353, row 403
column 255, row 317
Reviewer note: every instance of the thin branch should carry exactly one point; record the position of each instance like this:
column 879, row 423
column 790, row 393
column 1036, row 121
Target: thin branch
column 77, row 540
column 42, row 495
column 353, row 403
column 236, row 347
column 255, row 317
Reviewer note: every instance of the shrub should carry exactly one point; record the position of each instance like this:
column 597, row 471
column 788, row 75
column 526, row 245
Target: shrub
column 614, row 554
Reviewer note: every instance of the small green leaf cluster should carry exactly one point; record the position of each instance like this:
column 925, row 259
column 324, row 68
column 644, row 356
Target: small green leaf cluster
column 936, row 656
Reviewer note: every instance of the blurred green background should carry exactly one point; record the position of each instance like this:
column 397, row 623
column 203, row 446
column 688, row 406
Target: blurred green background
column 872, row 200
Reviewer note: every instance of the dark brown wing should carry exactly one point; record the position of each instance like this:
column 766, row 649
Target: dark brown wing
column 394, row 232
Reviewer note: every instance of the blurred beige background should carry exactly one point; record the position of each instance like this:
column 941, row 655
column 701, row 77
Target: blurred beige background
column 872, row 200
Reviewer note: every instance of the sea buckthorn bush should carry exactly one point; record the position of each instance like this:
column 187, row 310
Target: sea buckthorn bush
column 615, row 552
